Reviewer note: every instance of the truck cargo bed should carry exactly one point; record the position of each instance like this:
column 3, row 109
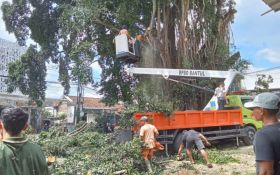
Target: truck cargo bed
column 193, row 119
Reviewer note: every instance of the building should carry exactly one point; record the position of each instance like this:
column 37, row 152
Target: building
column 251, row 78
column 9, row 52
column 92, row 107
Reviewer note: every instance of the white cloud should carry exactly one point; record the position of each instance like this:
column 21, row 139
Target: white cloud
column 253, row 29
column 269, row 54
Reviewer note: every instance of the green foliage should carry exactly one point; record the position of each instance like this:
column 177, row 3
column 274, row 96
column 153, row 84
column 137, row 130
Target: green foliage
column 91, row 153
column 43, row 22
column 143, row 101
column 152, row 98
column 219, row 157
column 16, row 17
column 74, row 34
column 262, row 83
column 241, row 65
column 62, row 115
column 216, row 156
column 46, row 114
column 28, row 74
column 116, row 84
column 101, row 121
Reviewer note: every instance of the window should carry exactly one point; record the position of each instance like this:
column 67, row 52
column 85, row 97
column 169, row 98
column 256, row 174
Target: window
column 245, row 100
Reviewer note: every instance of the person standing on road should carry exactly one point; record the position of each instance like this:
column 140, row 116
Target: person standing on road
column 267, row 140
column 220, row 93
column 188, row 139
column 17, row 155
column 148, row 133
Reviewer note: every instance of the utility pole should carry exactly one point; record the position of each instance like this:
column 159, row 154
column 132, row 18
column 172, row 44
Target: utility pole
column 77, row 111
column 79, row 107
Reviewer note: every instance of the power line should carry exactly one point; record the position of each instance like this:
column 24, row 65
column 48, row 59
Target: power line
column 192, row 85
column 268, row 69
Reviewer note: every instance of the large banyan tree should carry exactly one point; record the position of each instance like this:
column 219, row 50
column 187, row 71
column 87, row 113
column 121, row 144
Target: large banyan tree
column 191, row 34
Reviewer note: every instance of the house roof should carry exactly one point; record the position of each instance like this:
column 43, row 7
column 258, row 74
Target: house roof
column 95, row 103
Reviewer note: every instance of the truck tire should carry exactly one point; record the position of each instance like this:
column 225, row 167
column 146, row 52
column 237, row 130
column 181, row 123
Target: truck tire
column 177, row 142
column 250, row 132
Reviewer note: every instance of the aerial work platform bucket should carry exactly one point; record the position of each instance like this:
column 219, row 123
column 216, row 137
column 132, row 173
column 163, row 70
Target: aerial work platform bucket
column 127, row 50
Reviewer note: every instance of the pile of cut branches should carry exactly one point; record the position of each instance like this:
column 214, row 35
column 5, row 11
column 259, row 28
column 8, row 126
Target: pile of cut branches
column 91, row 153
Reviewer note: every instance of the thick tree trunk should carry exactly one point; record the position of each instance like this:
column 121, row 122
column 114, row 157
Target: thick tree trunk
column 190, row 34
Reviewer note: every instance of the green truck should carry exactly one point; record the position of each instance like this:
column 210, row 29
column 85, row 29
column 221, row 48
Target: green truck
column 250, row 123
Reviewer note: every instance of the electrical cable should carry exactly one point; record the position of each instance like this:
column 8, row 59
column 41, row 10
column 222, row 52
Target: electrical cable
column 268, row 69
column 195, row 86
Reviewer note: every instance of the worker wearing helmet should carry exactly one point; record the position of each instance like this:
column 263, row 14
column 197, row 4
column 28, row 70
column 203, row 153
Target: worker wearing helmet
column 188, row 139
column 148, row 133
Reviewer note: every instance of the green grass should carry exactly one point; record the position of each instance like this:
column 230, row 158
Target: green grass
column 216, row 156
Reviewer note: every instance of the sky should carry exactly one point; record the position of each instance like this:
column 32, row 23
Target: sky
column 256, row 37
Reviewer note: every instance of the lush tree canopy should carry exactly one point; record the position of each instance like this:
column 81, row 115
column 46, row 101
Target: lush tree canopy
column 75, row 33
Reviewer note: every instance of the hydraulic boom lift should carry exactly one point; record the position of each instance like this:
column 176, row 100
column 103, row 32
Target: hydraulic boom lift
column 166, row 73
column 215, row 124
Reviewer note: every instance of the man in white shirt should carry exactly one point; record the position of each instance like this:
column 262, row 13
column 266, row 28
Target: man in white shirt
column 221, row 95
column 148, row 133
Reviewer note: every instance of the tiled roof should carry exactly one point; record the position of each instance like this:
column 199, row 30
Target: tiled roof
column 95, row 103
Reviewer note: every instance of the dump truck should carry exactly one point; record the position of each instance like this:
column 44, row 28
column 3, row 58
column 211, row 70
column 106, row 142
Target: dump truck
column 234, row 122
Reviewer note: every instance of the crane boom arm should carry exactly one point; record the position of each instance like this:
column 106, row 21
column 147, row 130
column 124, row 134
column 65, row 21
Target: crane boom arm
column 180, row 72
column 227, row 75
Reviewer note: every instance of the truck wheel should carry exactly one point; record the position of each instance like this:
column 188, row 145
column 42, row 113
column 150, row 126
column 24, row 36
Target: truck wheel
column 250, row 135
column 177, row 142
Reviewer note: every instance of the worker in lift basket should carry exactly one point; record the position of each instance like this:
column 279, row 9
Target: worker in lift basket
column 124, row 31
column 148, row 133
column 188, row 139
